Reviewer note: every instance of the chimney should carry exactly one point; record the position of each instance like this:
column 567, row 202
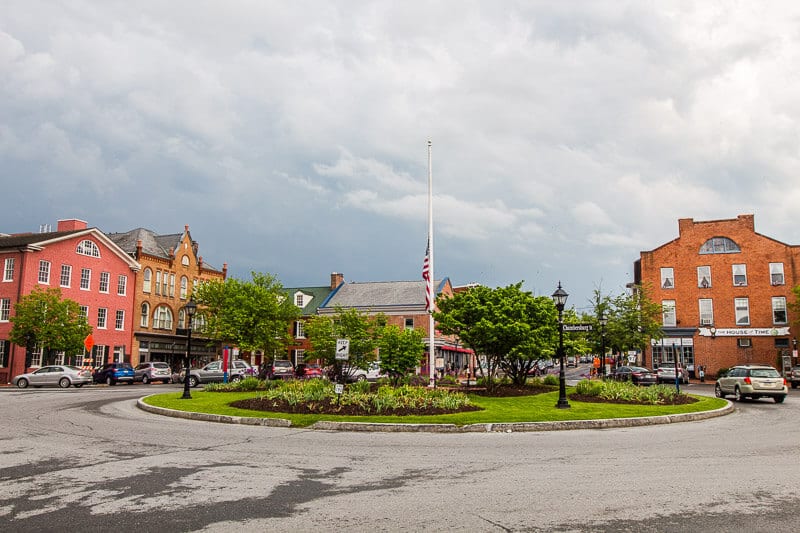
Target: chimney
column 70, row 224
column 138, row 248
column 336, row 279
column 224, row 270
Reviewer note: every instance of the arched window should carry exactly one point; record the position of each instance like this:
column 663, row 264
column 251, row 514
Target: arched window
column 89, row 248
column 199, row 323
column 147, row 280
column 185, row 260
column 145, row 318
column 182, row 318
column 719, row 245
column 162, row 318
column 184, row 287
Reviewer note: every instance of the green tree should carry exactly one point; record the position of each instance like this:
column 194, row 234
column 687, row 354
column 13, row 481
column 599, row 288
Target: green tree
column 253, row 315
column 507, row 326
column 362, row 330
column 401, row 351
column 50, row 322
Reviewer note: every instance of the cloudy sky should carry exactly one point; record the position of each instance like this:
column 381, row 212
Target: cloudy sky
column 292, row 136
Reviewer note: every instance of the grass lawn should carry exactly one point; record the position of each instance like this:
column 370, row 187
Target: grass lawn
column 538, row 408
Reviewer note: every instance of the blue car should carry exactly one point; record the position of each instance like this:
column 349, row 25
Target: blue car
column 113, row 373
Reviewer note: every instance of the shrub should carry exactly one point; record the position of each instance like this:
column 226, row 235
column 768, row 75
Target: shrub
column 550, row 379
column 589, row 388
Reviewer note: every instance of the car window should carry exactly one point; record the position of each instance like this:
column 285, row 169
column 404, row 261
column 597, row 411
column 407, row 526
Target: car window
column 764, row 373
column 75, row 368
column 141, row 366
column 160, row 365
column 212, row 366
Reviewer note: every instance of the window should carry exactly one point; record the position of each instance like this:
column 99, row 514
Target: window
column 158, row 282
column 184, row 287
column 66, row 275
column 739, row 275
column 164, row 291
column 104, row 278
column 185, row 260
column 162, row 319
column 145, row 316
column 410, row 323
column 776, row 273
column 299, row 332
column 36, row 356
column 86, row 279
column 89, row 248
column 122, row 285
column 5, row 309
column 172, row 285
column 719, row 245
column 199, row 322
column 119, row 321
column 298, row 299
column 84, row 313
column 704, row 277
column 147, row 280
column 706, row 312
column 781, row 343
column 667, row 278
column 742, row 307
column 44, row 272
column 119, row 354
column 668, row 313
column 4, row 346
column 99, row 352
column 744, row 343
column 299, row 357
column 8, row 271
column 779, row 310
column 102, row 315
column 182, row 318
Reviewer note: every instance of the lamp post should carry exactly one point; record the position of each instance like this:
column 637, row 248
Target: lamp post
column 560, row 299
column 602, row 320
column 191, row 309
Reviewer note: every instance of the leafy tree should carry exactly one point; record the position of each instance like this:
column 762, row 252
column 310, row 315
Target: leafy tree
column 50, row 322
column 401, row 350
column 254, row 315
column 360, row 329
column 509, row 327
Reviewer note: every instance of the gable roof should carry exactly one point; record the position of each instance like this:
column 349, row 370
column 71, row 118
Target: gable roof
column 381, row 295
column 319, row 294
column 38, row 241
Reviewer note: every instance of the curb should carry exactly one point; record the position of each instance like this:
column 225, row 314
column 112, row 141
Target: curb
column 505, row 427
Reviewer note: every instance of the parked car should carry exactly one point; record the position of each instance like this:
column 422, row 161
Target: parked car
column 54, row 375
column 214, row 372
column 666, row 373
column 308, row 371
column 372, row 373
column 113, row 373
column 280, row 369
column 572, row 361
column 637, row 375
column 752, row 381
column 794, row 376
column 152, row 371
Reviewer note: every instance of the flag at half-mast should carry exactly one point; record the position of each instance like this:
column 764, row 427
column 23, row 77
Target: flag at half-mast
column 426, row 275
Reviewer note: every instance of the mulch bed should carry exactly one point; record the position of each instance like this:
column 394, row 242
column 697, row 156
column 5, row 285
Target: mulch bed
column 330, row 407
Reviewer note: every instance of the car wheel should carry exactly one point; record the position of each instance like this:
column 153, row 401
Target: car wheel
column 779, row 399
column 737, row 395
column 361, row 377
column 718, row 391
column 145, row 380
column 236, row 379
column 193, row 381
column 109, row 381
column 22, row 383
column 64, row 383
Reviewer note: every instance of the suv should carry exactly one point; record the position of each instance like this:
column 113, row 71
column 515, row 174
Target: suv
column 152, row 371
column 113, row 373
column 213, row 372
column 281, row 369
column 794, row 376
column 752, row 381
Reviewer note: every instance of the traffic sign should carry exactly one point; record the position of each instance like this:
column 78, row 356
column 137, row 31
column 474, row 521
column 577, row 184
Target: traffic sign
column 577, row 327
column 343, row 349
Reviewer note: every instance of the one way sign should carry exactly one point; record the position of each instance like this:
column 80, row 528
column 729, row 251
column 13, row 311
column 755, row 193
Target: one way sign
column 342, row 349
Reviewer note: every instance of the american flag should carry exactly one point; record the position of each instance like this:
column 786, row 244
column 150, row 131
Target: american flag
column 426, row 275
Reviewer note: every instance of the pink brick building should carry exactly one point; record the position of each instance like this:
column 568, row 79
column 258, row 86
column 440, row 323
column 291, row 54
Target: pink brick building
column 88, row 268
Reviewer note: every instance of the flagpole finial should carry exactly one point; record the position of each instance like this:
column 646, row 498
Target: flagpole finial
column 430, row 142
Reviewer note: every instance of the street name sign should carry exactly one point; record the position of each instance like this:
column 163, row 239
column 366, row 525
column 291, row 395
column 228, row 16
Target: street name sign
column 577, row 327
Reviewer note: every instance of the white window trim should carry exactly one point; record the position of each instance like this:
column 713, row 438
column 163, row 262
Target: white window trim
column 8, row 269
column 88, row 286
column 107, row 277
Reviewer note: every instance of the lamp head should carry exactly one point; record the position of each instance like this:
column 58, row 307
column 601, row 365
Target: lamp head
column 560, row 297
column 191, row 307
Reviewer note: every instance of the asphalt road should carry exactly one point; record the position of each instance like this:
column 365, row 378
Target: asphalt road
column 89, row 460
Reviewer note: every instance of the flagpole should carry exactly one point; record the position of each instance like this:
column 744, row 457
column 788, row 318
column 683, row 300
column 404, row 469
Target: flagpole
column 431, row 281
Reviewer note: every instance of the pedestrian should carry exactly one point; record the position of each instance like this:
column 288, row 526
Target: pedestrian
column 702, row 372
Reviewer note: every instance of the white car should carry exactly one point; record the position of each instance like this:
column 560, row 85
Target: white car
column 373, row 373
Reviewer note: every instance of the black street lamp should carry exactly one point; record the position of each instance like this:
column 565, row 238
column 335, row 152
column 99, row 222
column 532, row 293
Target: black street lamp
column 191, row 309
column 560, row 299
column 602, row 320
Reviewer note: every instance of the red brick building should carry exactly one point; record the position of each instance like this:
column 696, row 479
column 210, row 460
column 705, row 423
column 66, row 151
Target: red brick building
column 724, row 291
column 89, row 269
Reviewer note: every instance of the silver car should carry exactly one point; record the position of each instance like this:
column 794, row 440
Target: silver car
column 752, row 381
column 214, row 373
column 54, row 376
column 152, row 371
